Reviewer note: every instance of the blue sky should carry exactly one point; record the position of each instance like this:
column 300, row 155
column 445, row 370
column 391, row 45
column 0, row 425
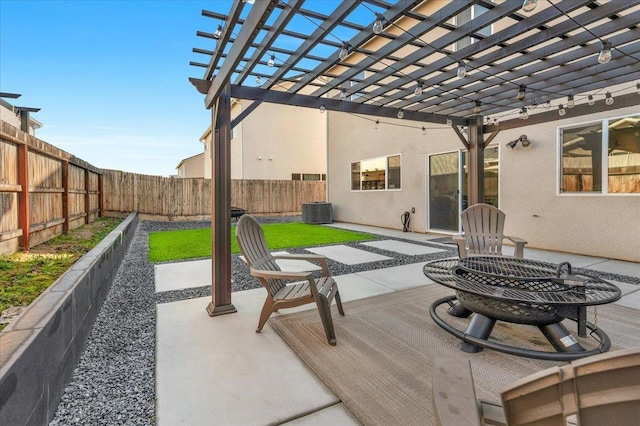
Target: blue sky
column 110, row 76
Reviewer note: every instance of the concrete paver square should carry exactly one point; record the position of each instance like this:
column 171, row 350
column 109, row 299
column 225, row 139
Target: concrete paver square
column 620, row 267
column 292, row 265
column 398, row 277
column 348, row 255
column 179, row 275
column 403, row 247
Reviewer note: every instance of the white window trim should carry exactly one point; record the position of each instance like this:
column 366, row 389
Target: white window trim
column 386, row 174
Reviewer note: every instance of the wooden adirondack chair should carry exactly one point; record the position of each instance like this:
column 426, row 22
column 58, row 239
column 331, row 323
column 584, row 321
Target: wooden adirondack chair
column 597, row 390
column 287, row 289
column 483, row 232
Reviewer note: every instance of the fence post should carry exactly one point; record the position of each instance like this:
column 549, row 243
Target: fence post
column 87, row 201
column 23, row 197
column 65, row 196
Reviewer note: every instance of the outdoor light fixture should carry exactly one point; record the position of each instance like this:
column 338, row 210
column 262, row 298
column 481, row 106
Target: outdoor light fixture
column 524, row 141
column 400, row 114
column 344, row 50
column 524, row 114
column 218, row 32
column 605, row 52
column 322, row 109
column 258, row 79
column 272, row 61
column 478, row 108
column 449, row 122
column 608, row 99
column 561, row 111
column 590, row 100
column 462, row 69
column 424, row 130
column 529, row 5
column 379, row 24
column 521, row 92
column 419, row 89
column 570, row 102
column 343, row 94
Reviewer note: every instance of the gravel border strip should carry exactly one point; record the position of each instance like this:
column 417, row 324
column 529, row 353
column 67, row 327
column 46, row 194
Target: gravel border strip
column 114, row 382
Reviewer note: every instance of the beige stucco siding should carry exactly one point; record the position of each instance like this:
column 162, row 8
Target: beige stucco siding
column 597, row 225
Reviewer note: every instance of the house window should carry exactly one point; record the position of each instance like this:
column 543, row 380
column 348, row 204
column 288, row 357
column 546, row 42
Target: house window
column 308, row 176
column 601, row 157
column 382, row 173
column 466, row 16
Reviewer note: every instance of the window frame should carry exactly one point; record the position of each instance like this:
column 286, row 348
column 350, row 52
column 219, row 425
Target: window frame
column 386, row 174
column 604, row 146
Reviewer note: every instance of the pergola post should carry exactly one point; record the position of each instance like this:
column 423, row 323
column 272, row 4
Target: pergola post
column 221, row 200
column 476, row 161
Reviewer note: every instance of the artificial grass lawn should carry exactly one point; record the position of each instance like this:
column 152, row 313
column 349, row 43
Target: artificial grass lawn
column 194, row 243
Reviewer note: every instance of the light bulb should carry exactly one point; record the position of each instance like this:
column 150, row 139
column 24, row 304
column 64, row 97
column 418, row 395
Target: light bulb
column 608, row 99
column 449, row 122
column 424, row 130
column 570, row 102
column 478, row 108
column 344, row 51
column 605, row 53
column 258, row 79
column 379, row 24
column 547, row 105
column 496, row 121
column 322, row 109
column 590, row 100
column 529, row 5
column 561, row 111
column 462, row 69
column 272, row 61
column 343, row 94
column 375, row 126
column 638, row 88
column 218, row 32
column 524, row 114
column 249, row 1
column 521, row 92
column 400, row 114
column 419, row 89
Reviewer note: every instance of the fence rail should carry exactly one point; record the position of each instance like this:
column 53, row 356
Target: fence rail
column 161, row 198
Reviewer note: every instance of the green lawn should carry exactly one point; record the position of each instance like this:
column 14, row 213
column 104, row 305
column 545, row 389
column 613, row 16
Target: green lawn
column 194, row 243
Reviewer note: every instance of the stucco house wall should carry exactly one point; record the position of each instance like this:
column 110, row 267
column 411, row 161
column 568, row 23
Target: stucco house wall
column 191, row 167
column 597, row 225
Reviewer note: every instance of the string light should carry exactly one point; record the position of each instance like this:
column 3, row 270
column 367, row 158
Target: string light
column 524, row 114
column 258, row 79
column 570, row 102
column 322, row 109
column 343, row 94
column 605, row 52
column 424, row 130
column 379, row 24
column 218, row 32
column 547, row 105
column 590, row 100
column 638, row 88
column 462, row 69
column 608, row 99
column 272, row 61
column 478, row 108
column 400, row 114
column 344, row 51
column 375, row 126
column 449, row 122
column 561, row 111
column 529, row 5
column 419, row 89
column 521, row 92
column 496, row 121
column 249, row 1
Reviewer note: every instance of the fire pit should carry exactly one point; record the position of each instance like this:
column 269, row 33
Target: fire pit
column 520, row 291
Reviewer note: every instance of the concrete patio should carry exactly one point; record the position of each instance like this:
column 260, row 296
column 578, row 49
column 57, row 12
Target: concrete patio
column 219, row 371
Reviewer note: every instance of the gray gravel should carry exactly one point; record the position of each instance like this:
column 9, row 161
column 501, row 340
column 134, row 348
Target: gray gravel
column 114, row 382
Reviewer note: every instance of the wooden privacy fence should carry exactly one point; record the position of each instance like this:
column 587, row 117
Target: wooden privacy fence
column 156, row 197
column 44, row 191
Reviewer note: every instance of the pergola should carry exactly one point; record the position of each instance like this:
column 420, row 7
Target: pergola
column 453, row 63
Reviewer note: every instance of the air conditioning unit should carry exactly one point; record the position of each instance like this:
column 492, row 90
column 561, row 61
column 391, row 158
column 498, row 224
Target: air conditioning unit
column 317, row 213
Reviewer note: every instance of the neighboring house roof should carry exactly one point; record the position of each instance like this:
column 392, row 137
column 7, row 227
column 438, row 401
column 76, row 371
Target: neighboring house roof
column 184, row 160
